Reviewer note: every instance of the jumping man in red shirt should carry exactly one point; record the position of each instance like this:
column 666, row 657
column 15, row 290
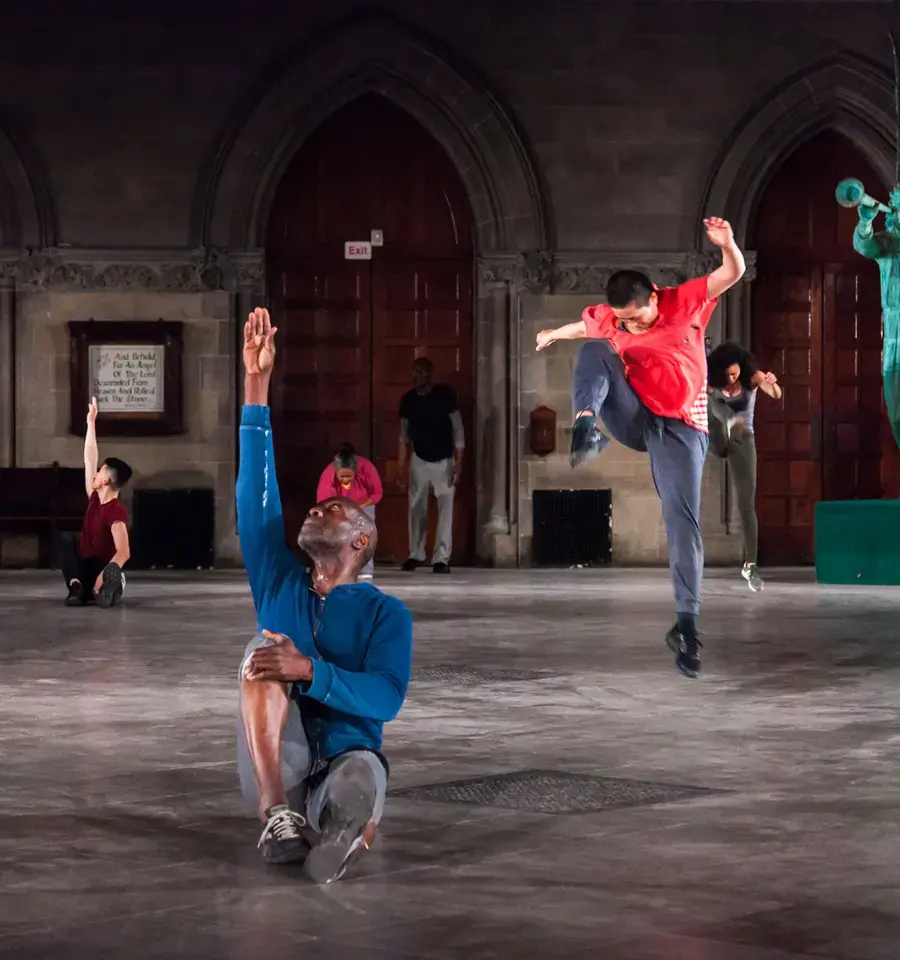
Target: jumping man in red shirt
column 644, row 374
column 92, row 562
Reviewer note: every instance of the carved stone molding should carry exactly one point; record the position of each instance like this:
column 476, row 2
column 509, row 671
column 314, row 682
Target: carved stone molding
column 587, row 272
column 72, row 270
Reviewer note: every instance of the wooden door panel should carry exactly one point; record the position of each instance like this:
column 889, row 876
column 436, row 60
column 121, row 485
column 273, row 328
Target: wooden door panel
column 321, row 394
column 851, row 349
column 816, row 323
column 350, row 330
column 420, row 308
column 788, row 325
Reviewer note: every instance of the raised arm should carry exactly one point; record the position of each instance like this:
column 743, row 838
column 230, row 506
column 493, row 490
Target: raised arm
column 91, row 454
column 260, row 520
column 733, row 267
column 870, row 244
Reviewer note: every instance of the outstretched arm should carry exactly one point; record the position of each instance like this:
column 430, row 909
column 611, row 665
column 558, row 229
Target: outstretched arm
column 260, row 520
column 733, row 267
column 569, row 331
column 91, row 453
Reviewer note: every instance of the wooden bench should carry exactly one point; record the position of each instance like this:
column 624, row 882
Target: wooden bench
column 45, row 501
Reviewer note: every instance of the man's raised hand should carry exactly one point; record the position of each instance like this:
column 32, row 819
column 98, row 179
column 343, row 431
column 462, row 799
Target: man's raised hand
column 92, row 412
column 719, row 231
column 259, row 343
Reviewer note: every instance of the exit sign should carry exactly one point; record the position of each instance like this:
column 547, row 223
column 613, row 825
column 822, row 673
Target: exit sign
column 358, row 250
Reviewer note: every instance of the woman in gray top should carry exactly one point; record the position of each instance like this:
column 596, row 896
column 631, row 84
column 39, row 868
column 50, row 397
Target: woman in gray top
column 734, row 380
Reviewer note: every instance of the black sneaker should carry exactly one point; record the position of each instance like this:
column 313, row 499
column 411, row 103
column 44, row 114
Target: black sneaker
column 687, row 659
column 281, row 840
column 587, row 441
column 441, row 568
column 76, row 595
column 113, row 585
column 411, row 564
column 351, row 804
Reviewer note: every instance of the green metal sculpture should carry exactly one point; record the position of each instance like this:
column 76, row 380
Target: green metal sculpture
column 884, row 249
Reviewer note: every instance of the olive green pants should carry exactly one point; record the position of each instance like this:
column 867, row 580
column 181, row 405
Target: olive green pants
column 739, row 449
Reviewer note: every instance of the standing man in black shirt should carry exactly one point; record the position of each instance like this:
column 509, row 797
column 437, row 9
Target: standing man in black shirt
column 431, row 425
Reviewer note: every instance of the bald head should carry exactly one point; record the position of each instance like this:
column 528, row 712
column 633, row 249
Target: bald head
column 339, row 527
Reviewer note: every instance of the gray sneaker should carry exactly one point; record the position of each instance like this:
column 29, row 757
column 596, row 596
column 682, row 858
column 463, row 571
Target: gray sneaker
column 750, row 573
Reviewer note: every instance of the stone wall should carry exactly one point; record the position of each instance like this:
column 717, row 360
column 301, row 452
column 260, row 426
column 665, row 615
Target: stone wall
column 622, row 121
column 202, row 457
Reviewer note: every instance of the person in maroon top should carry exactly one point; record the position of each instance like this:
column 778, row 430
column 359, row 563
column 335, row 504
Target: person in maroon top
column 92, row 561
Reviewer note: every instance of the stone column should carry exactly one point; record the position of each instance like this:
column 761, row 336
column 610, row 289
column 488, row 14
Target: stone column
column 494, row 444
column 7, row 375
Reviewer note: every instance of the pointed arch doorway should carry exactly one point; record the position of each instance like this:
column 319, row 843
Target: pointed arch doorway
column 816, row 322
column 350, row 329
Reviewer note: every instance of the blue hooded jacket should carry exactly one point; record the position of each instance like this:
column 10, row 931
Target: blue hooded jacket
column 360, row 639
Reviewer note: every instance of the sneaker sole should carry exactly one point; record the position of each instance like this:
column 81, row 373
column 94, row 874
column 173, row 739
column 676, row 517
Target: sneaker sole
column 112, row 586
column 343, row 834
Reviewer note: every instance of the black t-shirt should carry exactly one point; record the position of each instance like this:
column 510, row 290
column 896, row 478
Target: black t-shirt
column 430, row 428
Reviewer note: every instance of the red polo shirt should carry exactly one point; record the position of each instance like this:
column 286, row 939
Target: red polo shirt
column 666, row 366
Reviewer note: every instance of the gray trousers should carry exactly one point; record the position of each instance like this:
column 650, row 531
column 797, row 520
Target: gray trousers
column 424, row 477
column 677, row 453
column 296, row 764
column 739, row 449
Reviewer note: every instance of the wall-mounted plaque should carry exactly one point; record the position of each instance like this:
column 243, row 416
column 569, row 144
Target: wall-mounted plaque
column 134, row 371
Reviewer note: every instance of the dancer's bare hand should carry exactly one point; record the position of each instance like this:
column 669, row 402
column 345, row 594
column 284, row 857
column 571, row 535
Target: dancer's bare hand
column 281, row 662
column 259, row 343
column 92, row 412
column 719, row 231
column 768, row 378
column 545, row 338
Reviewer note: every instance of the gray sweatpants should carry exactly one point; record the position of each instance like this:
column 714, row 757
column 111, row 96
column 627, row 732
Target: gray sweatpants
column 677, row 453
column 424, row 477
column 739, row 448
column 296, row 763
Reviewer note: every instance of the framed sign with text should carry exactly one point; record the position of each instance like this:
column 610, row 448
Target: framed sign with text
column 133, row 368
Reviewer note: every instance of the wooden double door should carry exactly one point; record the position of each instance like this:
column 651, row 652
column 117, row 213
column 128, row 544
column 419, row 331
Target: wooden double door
column 349, row 330
column 817, row 325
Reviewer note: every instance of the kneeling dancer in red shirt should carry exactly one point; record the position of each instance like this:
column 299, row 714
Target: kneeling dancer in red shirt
column 92, row 561
column 644, row 375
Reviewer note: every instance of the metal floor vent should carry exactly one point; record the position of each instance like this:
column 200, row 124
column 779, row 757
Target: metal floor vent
column 549, row 791
column 475, row 675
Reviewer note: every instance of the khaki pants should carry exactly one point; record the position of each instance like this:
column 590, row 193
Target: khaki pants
column 424, row 477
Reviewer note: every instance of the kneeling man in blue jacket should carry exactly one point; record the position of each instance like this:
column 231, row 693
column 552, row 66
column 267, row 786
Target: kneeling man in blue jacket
column 329, row 666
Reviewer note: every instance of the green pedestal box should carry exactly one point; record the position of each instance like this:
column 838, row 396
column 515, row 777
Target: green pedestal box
column 858, row 541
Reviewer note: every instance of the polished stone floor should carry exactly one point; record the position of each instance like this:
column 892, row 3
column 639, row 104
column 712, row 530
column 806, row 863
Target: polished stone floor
column 752, row 814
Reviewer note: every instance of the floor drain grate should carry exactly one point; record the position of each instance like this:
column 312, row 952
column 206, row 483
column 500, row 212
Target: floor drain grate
column 470, row 675
column 543, row 791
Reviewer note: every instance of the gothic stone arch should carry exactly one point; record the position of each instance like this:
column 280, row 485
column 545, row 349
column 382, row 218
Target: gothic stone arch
column 845, row 93
column 512, row 232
